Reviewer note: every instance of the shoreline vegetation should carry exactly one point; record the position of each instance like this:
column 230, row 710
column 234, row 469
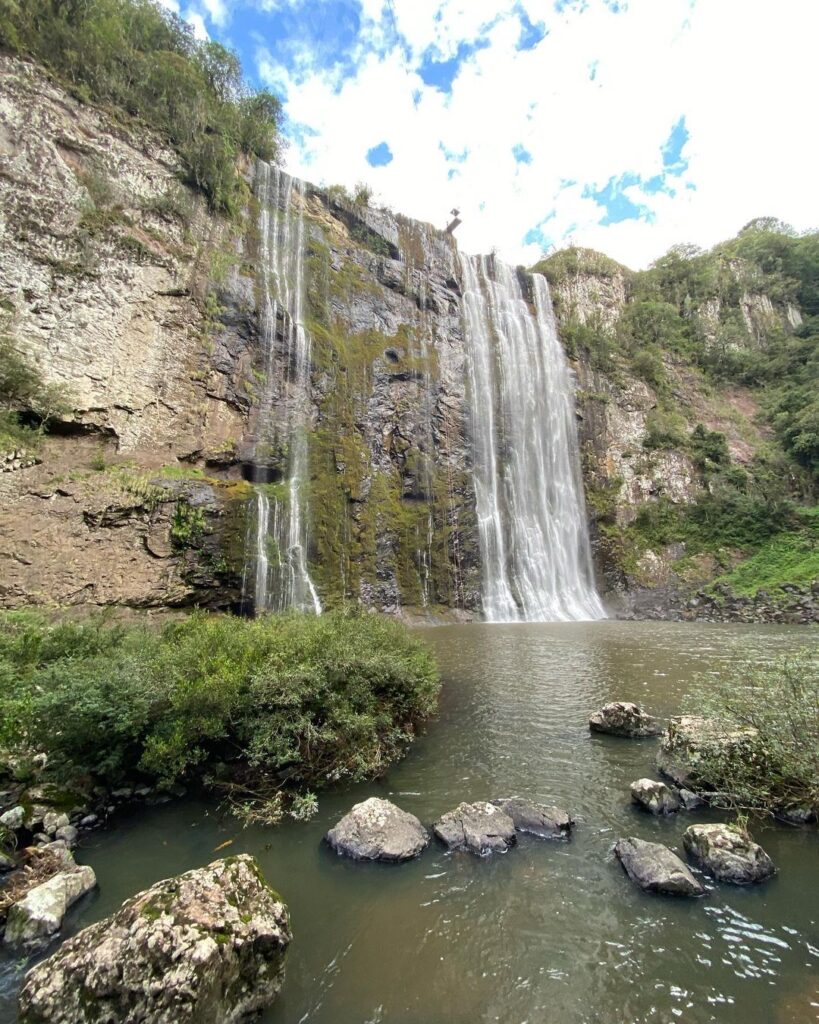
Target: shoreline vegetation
column 263, row 711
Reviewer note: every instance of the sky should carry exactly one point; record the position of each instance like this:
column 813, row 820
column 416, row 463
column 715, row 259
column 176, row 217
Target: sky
column 626, row 126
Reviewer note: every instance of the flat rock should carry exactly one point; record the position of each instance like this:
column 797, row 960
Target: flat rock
column 378, row 830
column 655, row 868
column 13, row 819
column 685, row 741
column 624, row 718
column 536, row 819
column 481, row 828
column 205, row 947
column 655, row 797
column 727, row 854
column 33, row 920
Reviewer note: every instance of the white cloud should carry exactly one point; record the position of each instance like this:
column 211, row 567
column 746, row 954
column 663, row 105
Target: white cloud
column 197, row 23
column 740, row 72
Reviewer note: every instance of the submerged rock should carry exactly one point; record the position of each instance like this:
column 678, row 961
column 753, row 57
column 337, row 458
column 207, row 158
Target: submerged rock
column 655, row 868
column 686, row 740
column 727, row 854
column 655, row 797
column 378, row 830
column 536, row 819
column 206, row 947
column 623, row 718
column 34, row 919
column 480, row 828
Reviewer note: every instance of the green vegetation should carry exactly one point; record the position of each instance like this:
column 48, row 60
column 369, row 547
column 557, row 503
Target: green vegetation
column 776, row 767
column 253, row 707
column 145, row 62
column 25, row 397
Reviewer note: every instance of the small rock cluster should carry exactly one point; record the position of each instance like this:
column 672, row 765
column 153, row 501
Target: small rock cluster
column 378, row 830
column 724, row 852
column 17, row 459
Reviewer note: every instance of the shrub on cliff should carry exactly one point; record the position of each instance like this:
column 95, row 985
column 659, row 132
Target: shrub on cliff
column 255, row 705
column 145, row 61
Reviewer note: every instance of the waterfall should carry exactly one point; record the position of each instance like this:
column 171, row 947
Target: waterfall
column 535, row 553
column 281, row 579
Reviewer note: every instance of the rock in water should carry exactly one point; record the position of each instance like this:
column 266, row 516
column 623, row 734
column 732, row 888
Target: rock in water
column 34, row 919
column 378, row 830
column 655, row 797
column 622, row 718
column 480, row 828
column 727, row 854
column 536, row 819
column 206, row 947
column 656, row 869
column 685, row 742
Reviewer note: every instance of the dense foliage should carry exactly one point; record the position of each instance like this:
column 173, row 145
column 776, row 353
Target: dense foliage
column 776, row 766
column 145, row 61
column 253, row 705
column 27, row 403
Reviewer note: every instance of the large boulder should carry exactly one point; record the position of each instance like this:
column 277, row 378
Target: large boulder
column 655, row 797
column 206, row 947
column 727, row 854
column 623, row 718
column 378, row 830
column 480, row 828
column 687, row 740
column 34, row 919
column 536, row 819
column 655, row 868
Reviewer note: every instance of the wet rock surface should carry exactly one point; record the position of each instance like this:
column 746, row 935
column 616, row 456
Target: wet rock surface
column 655, row 797
column 207, row 947
column 727, row 854
column 35, row 919
column 624, row 718
column 480, row 828
column 547, row 822
column 655, row 868
column 378, row 830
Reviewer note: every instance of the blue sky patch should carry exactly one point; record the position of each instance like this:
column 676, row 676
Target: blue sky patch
column 593, row 70
column 618, row 205
column 521, row 154
column 380, row 155
column 531, row 32
column 673, row 160
column 442, row 73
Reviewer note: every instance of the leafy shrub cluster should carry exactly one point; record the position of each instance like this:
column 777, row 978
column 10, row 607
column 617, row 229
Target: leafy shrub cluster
column 256, row 706
column 776, row 767
column 145, row 61
column 25, row 398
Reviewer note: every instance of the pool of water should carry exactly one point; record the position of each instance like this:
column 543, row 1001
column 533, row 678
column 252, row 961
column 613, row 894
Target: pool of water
column 550, row 931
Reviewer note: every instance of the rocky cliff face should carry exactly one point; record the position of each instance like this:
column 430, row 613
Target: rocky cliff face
column 119, row 284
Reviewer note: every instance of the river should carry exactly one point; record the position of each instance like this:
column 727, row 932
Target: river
column 550, row 932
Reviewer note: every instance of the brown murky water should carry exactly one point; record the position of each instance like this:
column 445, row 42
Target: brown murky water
column 549, row 932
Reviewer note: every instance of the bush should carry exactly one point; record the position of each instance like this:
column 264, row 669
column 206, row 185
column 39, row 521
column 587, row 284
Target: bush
column 255, row 706
column 776, row 768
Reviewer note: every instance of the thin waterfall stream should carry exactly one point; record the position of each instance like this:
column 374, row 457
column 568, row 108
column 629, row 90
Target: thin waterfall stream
column 281, row 578
column 534, row 544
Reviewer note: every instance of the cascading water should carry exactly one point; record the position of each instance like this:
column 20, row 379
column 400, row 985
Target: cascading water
column 281, row 578
column 529, row 494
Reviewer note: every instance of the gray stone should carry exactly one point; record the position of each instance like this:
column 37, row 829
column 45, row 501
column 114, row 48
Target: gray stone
column 6, row 863
column 727, row 854
column 13, row 819
column 684, row 743
column 36, row 816
column 624, row 718
column 34, row 919
column 68, row 833
column 480, row 828
column 536, row 819
column 378, row 830
column 655, row 797
column 690, row 800
column 206, row 947
column 797, row 815
column 54, row 820
column 89, row 820
column 655, row 868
